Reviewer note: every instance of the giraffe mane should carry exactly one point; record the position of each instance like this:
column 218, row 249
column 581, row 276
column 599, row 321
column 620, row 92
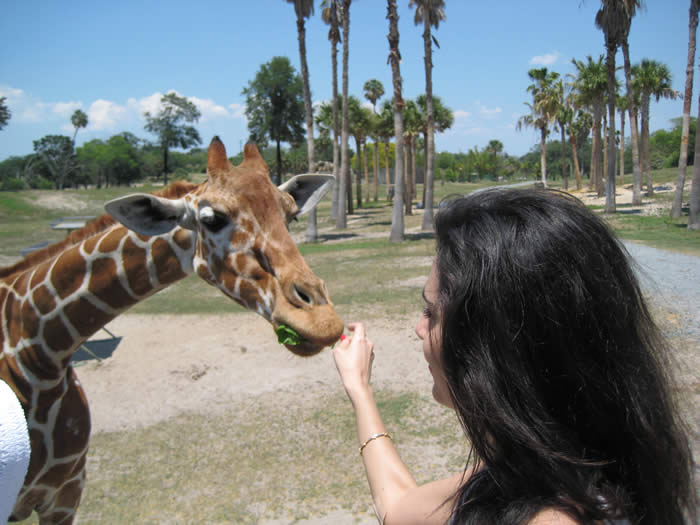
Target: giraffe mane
column 98, row 225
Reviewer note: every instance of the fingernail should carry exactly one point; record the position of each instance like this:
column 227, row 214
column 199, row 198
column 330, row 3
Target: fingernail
column 342, row 337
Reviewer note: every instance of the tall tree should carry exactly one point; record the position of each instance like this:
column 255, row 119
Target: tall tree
column 374, row 90
column 443, row 118
column 303, row 10
column 612, row 20
column 591, row 84
column 275, row 107
column 429, row 13
column 345, row 196
column 622, row 109
column 651, row 79
column 564, row 117
column 330, row 15
column 385, row 129
column 397, row 223
column 694, row 218
column 411, row 129
column 631, row 7
column 687, row 101
column 543, row 109
column 5, row 113
column 79, row 120
column 170, row 125
column 57, row 153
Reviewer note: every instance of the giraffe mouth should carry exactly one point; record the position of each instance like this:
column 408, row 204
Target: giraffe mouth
column 305, row 348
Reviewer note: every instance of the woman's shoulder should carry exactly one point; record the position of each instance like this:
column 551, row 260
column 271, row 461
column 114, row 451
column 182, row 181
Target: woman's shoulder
column 552, row 517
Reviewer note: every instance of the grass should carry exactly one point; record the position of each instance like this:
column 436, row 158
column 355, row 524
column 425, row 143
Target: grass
column 256, row 460
column 261, row 459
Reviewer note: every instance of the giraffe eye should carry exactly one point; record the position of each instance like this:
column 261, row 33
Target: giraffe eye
column 214, row 222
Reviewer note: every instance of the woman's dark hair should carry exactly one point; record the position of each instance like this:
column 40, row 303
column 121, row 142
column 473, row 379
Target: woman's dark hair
column 557, row 371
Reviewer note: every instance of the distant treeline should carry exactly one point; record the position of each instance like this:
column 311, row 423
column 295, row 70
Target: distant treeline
column 125, row 159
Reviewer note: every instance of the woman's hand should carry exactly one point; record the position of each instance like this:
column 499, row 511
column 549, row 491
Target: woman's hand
column 353, row 359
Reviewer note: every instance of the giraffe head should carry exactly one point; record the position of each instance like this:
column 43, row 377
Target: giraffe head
column 239, row 221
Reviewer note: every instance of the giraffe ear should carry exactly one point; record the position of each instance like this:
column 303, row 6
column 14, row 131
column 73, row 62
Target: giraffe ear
column 149, row 215
column 308, row 190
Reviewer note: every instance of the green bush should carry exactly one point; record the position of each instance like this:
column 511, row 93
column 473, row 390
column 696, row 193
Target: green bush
column 12, row 184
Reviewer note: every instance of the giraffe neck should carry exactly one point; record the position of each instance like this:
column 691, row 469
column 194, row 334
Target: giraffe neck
column 50, row 309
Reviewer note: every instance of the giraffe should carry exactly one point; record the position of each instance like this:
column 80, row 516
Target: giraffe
column 231, row 230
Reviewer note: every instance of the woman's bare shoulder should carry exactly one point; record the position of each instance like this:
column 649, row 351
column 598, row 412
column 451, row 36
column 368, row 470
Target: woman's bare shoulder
column 552, row 517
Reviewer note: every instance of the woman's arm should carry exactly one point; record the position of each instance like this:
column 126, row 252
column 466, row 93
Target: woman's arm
column 397, row 498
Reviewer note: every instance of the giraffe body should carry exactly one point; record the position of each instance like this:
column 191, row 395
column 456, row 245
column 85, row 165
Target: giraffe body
column 230, row 230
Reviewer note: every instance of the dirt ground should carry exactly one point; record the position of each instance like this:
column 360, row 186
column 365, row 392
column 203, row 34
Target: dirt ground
column 167, row 365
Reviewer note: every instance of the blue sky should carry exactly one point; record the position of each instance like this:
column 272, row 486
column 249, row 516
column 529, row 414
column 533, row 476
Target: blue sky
column 114, row 60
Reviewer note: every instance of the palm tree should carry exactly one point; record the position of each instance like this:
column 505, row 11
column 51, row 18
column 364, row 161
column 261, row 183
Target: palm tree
column 385, row 131
column 304, row 9
column 650, row 78
column 612, row 20
column 591, row 84
column 359, row 127
column 79, row 120
column 429, row 13
column 411, row 129
column 397, row 224
column 687, row 100
column 374, row 90
column 341, row 219
column 443, row 118
column 543, row 109
column 630, row 9
column 329, row 14
column 622, row 108
column 564, row 117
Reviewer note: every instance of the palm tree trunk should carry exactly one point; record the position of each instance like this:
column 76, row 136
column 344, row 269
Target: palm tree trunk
column 341, row 219
column 429, row 175
column 600, row 186
column 311, row 226
column 408, row 192
column 574, row 154
column 622, row 148
column 687, row 100
column 565, row 180
column 365, row 169
column 694, row 218
column 376, row 170
column 610, row 205
column 387, row 169
column 358, row 174
column 543, row 155
column 397, row 223
column 636, row 168
column 336, row 134
column 646, row 156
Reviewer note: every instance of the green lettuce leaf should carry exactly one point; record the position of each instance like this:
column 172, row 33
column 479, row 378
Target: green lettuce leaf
column 288, row 336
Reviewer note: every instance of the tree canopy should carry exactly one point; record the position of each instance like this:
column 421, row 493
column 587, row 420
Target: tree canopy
column 275, row 106
column 170, row 124
column 5, row 113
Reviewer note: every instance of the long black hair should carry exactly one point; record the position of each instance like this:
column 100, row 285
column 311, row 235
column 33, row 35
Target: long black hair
column 557, row 370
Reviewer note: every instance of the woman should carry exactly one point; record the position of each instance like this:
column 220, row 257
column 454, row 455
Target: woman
column 537, row 335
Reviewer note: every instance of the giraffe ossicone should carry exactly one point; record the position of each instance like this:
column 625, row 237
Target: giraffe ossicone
column 231, row 230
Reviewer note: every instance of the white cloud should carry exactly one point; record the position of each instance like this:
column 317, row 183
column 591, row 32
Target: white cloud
column 150, row 103
column 237, row 110
column 66, row 109
column 209, row 109
column 461, row 114
column 104, row 114
column 489, row 112
column 545, row 60
column 11, row 93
